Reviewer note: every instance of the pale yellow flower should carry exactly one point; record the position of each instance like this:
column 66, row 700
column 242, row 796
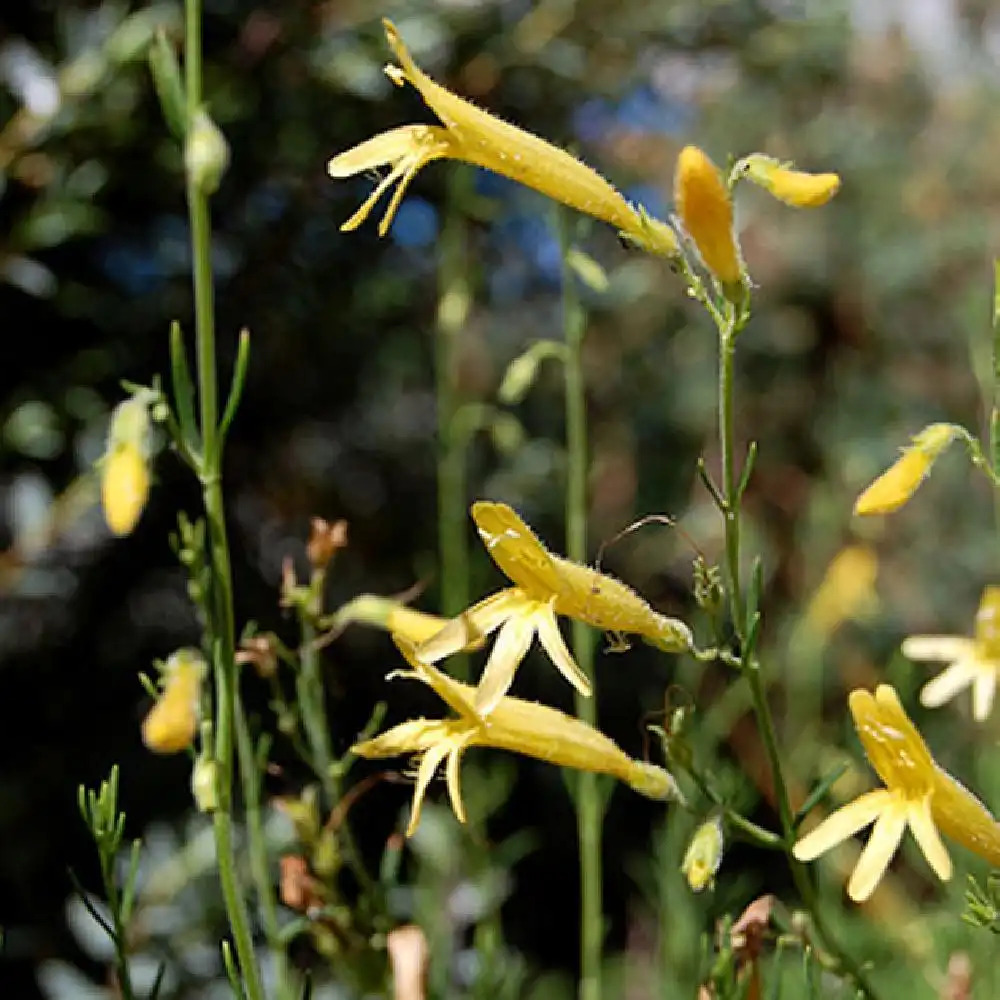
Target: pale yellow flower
column 125, row 465
column 793, row 187
column 474, row 136
column 974, row 662
column 900, row 481
column 524, row 727
column 917, row 794
column 172, row 722
column 546, row 586
column 706, row 209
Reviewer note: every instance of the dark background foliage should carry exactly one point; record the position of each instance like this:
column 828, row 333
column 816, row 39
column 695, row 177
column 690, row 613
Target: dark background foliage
column 861, row 335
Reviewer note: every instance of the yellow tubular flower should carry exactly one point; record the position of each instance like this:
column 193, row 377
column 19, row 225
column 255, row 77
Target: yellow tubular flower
column 705, row 208
column 901, row 480
column 917, row 793
column 546, row 585
column 518, row 726
column 473, row 135
column 974, row 662
column 793, row 187
column 172, row 722
column 124, row 467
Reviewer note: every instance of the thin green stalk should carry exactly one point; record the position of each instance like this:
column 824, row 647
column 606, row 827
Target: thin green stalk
column 119, row 935
column 452, row 486
column 589, row 807
column 260, row 871
column 752, row 669
column 312, row 708
column 223, row 638
column 731, row 514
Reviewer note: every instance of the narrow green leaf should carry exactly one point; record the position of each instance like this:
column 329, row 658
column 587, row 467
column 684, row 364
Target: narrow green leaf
column 709, row 483
column 183, row 390
column 818, row 793
column 166, row 73
column 748, row 467
column 236, row 387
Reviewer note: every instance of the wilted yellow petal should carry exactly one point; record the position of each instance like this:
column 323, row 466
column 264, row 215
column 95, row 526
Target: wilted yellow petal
column 793, row 187
column 705, row 208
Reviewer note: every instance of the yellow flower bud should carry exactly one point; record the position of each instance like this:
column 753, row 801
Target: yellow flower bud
column 900, row 481
column 704, row 855
column 173, row 721
column 124, row 467
column 705, row 208
column 793, row 187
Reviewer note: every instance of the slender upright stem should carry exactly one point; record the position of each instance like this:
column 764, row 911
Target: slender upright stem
column 752, row 669
column 452, row 488
column 731, row 515
column 315, row 723
column 260, row 869
column 589, row 807
column 223, row 627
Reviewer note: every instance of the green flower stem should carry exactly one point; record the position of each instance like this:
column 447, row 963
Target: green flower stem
column 731, row 513
column 589, row 805
column 452, row 487
column 729, row 329
column 223, row 639
column 250, row 769
column 312, row 709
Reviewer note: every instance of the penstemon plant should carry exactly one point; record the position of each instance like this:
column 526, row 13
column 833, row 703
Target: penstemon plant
column 323, row 889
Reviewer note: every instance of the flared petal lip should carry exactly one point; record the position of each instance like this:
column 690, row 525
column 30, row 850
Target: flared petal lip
column 842, row 824
column 878, row 852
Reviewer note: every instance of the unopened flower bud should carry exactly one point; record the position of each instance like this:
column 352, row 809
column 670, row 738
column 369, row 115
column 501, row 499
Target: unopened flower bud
column 704, row 855
column 204, row 785
column 794, row 187
column 206, row 153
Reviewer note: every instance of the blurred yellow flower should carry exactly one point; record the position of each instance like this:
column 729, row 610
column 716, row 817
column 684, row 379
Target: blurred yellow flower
column 917, row 793
column 476, row 137
column 125, row 465
column 706, row 209
column 846, row 590
column 974, row 663
column 546, row 585
column 900, row 481
column 518, row 726
column 793, row 187
column 172, row 722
